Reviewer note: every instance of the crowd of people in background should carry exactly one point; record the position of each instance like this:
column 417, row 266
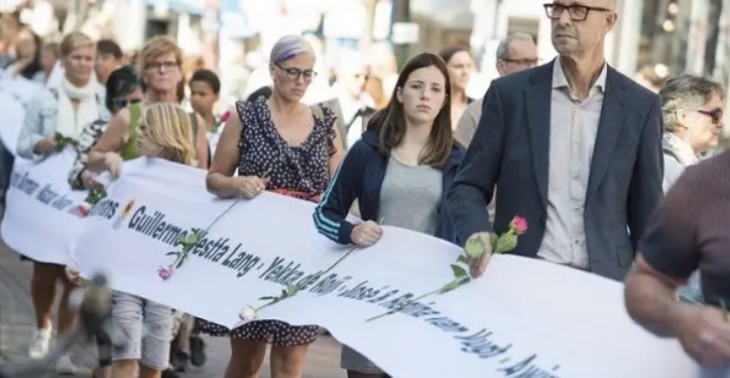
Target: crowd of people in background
column 572, row 144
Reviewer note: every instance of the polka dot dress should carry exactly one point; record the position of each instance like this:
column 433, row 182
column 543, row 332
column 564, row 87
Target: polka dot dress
column 303, row 169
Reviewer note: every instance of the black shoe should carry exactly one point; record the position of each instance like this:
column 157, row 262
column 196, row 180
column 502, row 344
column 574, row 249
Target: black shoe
column 197, row 351
column 180, row 361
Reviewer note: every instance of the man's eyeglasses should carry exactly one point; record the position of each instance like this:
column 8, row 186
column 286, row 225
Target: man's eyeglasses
column 716, row 115
column 294, row 73
column 122, row 102
column 577, row 12
column 523, row 62
column 156, row 66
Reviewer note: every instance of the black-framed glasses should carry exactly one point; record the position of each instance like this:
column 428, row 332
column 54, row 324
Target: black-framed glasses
column 294, row 73
column 167, row 65
column 122, row 102
column 716, row 115
column 577, row 12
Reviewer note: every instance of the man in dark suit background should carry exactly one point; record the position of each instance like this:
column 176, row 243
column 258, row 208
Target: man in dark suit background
column 573, row 146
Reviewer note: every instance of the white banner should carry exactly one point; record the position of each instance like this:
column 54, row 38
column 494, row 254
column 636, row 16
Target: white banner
column 40, row 218
column 13, row 112
column 524, row 318
column 15, row 94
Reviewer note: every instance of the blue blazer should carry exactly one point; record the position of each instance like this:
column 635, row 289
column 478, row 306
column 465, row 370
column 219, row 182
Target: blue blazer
column 511, row 150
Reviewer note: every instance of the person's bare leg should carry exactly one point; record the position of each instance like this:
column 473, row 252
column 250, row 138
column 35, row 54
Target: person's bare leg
column 288, row 362
column 148, row 372
column 102, row 372
column 43, row 292
column 246, row 358
column 67, row 316
column 124, row 368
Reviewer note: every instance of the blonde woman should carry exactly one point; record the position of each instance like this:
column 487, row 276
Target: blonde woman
column 159, row 66
column 65, row 107
column 164, row 131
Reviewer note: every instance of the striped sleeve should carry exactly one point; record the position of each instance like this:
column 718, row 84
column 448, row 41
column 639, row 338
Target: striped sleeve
column 344, row 188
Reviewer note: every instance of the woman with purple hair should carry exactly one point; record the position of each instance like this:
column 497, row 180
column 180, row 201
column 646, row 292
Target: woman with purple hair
column 281, row 145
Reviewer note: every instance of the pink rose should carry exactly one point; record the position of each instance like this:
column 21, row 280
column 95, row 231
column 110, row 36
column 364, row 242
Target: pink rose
column 83, row 210
column 164, row 272
column 225, row 116
column 519, row 224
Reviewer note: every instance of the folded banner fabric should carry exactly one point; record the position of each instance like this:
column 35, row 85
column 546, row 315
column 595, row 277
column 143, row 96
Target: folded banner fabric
column 524, row 318
column 41, row 217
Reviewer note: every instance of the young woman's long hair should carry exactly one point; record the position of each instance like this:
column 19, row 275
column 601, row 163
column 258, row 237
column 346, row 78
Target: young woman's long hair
column 390, row 122
column 167, row 127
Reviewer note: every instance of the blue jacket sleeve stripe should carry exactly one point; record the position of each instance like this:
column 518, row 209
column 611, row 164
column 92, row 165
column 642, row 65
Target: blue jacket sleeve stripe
column 326, row 226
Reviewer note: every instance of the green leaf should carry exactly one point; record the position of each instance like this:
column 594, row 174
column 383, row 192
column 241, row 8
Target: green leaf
column 463, row 259
column 181, row 239
column 474, row 248
column 450, row 286
column 193, row 238
column 292, row 289
column 493, row 240
column 458, row 271
column 266, row 298
column 283, row 293
column 173, row 253
column 506, row 243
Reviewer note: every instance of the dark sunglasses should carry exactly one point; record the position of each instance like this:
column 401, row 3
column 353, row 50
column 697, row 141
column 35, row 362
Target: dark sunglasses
column 716, row 115
column 122, row 102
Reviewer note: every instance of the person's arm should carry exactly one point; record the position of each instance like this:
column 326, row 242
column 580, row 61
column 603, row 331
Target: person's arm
column 336, row 155
column 473, row 188
column 30, row 141
column 651, row 300
column 645, row 190
column 111, row 141
column 331, row 213
column 220, row 175
column 201, row 143
column 668, row 256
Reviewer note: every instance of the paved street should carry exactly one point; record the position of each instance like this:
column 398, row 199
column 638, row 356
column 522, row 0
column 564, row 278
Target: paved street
column 16, row 325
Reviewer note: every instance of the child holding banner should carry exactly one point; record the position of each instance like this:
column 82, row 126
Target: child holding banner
column 159, row 63
column 399, row 172
column 303, row 142
column 63, row 108
column 164, row 131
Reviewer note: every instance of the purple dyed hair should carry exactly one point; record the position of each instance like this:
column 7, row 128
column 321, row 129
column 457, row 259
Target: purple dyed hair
column 289, row 47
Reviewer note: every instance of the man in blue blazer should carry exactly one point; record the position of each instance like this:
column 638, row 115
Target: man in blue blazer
column 573, row 146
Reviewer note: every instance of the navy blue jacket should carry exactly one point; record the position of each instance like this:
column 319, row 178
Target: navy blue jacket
column 360, row 177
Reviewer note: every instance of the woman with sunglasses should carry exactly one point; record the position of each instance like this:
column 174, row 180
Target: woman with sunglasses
column 123, row 88
column 692, row 108
column 282, row 145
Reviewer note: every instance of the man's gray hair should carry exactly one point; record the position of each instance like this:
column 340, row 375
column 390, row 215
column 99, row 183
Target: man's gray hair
column 503, row 48
column 686, row 92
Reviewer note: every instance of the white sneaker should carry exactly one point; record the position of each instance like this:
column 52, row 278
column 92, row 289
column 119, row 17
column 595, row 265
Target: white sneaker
column 64, row 365
column 39, row 345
